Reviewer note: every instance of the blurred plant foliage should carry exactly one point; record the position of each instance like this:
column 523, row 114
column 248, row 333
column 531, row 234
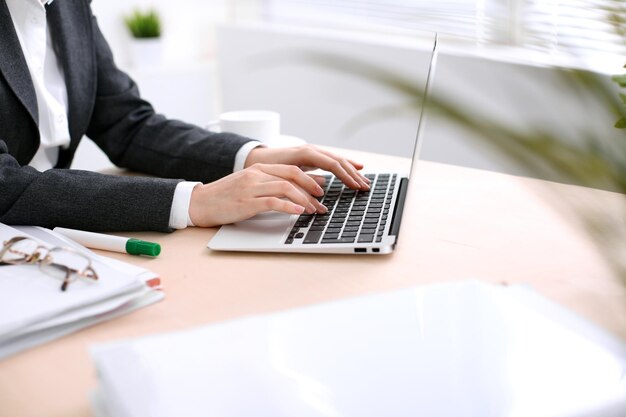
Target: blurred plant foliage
column 144, row 24
column 595, row 162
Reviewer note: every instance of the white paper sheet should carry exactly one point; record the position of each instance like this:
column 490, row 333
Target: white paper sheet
column 464, row 349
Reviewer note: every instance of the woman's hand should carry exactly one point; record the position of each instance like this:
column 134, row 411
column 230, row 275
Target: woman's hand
column 309, row 157
column 259, row 188
column 274, row 179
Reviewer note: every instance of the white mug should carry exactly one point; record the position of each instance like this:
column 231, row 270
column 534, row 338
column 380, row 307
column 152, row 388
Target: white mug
column 261, row 125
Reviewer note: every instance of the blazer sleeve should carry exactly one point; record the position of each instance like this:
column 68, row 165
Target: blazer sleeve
column 82, row 199
column 129, row 131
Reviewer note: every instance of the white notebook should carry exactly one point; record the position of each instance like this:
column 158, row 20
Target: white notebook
column 460, row 349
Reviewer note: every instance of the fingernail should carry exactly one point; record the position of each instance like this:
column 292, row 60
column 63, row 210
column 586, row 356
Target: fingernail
column 320, row 191
column 299, row 209
column 310, row 208
column 321, row 208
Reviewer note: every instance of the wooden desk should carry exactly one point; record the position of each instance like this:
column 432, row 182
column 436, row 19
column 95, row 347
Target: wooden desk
column 460, row 223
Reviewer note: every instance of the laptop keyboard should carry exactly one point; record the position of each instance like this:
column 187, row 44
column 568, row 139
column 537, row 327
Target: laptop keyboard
column 353, row 216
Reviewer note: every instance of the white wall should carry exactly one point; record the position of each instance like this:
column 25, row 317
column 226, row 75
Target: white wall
column 188, row 25
column 183, row 85
column 261, row 67
column 256, row 69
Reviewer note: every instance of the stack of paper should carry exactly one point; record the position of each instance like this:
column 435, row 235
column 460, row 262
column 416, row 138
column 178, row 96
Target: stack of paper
column 464, row 349
column 33, row 310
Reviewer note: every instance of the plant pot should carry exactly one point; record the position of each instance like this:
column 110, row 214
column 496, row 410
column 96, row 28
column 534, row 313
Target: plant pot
column 146, row 52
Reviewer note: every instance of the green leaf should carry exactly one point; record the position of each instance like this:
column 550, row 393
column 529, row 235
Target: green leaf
column 144, row 25
column 620, row 79
column 621, row 123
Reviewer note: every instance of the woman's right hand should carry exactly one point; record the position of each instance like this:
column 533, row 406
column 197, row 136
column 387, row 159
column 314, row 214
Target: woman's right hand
column 256, row 189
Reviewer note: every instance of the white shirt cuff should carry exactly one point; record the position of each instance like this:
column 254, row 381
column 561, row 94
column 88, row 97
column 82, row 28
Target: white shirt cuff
column 179, row 214
column 242, row 154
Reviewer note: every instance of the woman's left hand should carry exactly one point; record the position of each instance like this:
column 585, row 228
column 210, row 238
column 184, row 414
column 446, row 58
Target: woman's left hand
column 309, row 157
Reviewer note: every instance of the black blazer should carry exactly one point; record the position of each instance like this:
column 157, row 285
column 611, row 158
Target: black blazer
column 104, row 104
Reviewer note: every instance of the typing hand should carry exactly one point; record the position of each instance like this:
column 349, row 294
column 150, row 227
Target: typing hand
column 256, row 189
column 309, row 157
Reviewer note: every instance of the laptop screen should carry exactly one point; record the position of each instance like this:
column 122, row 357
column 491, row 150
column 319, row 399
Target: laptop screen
column 423, row 111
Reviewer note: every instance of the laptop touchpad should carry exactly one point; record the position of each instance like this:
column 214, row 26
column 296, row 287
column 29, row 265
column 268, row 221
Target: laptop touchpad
column 264, row 230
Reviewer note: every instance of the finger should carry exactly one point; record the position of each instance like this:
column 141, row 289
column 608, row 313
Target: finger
column 356, row 165
column 314, row 157
column 319, row 179
column 340, row 170
column 365, row 185
column 263, row 177
column 295, row 175
column 290, row 191
column 314, row 204
column 274, row 203
column 319, row 207
column 349, row 165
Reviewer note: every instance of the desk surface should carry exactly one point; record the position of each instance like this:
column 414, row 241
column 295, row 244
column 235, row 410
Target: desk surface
column 459, row 223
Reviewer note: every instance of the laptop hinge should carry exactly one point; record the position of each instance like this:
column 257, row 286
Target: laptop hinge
column 399, row 208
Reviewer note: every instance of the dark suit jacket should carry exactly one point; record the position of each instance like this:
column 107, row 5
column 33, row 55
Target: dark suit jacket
column 104, row 104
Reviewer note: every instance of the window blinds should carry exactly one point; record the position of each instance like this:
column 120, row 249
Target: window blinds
column 585, row 27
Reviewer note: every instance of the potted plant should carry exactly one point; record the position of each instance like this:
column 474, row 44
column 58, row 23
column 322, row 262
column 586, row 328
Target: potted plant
column 146, row 45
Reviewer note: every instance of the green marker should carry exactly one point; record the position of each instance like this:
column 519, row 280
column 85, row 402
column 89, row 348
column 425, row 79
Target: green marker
column 111, row 243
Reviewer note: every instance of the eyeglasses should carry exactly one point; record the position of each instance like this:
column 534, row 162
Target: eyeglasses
column 58, row 262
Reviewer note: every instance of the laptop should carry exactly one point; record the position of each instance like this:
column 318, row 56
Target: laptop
column 357, row 222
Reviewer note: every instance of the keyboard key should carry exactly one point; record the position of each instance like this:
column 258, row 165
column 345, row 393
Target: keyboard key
column 313, row 236
column 339, row 240
column 365, row 238
column 299, row 235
